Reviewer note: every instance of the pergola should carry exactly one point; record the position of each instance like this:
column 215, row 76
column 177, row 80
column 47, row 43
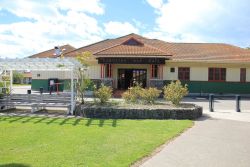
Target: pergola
column 43, row 64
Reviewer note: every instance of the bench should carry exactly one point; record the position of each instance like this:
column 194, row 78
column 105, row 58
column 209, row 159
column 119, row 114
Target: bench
column 36, row 101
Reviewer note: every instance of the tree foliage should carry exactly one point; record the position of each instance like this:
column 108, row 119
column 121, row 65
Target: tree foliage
column 17, row 77
column 104, row 93
column 174, row 92
column 83, row 82
column 149, row 95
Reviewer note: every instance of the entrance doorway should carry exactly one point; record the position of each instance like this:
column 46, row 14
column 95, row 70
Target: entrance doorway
column 127, row 77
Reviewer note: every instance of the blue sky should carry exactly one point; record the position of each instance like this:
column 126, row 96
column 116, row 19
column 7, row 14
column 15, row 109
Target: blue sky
column 31, row 26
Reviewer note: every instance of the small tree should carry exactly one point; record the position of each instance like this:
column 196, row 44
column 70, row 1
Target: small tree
column 104, row 93
column 17, row 77
column 150, row 95
column 83, row 82
column 174, row 92
column 81, row 85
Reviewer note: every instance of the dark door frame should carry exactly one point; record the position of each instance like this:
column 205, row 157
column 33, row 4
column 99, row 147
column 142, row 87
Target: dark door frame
column 127, row 76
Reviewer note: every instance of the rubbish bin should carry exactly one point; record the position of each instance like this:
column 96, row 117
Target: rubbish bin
column 29, row 91
column 41, row 90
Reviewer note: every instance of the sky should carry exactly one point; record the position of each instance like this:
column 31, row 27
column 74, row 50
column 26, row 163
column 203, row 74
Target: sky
column 31, row 26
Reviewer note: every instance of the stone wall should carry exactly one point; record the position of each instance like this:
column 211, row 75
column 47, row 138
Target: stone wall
column 124, row 113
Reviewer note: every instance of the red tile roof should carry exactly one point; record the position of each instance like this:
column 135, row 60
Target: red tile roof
column 141, row 46
column 51, row 52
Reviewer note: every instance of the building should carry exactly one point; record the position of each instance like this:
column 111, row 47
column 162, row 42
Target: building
column 205, row 67
column 44, row 78
column 27, row 78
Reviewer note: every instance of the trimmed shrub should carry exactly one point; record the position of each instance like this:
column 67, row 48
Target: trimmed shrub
column 133, row 94
column 150, row 95
column 104, row 93
column 174, row 92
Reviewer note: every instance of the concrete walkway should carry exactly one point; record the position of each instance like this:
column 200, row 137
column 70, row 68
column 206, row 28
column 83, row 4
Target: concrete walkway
column 218, row 139
column 210, row 143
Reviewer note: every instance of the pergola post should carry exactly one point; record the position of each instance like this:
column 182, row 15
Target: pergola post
column 11, row 81
column 72, row 92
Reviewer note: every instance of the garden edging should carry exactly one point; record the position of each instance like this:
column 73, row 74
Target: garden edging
column 125, row 113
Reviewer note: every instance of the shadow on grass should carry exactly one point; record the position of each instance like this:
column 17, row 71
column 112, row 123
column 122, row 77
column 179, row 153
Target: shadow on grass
column 14, row 165
column 59, row 121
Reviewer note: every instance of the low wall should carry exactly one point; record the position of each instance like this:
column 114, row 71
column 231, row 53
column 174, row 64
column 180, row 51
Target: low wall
column 124, row 113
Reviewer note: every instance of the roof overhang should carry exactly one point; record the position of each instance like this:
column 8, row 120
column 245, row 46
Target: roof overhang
column 40, row 64
column 131, row 60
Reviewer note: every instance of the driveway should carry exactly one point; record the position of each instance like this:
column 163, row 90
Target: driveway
column 221, row 138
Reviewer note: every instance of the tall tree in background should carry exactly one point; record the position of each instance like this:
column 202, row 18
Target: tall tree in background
column 17, row 77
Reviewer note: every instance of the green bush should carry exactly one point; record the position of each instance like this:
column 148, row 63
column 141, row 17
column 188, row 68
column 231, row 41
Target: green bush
column 133, row 94
column 90, row 85
column 150, row 95
column 104, row 93
column 174, row 92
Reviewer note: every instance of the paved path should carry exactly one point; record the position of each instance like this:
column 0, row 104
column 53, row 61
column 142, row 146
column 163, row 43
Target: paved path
column 210, row 143
column 218, row 139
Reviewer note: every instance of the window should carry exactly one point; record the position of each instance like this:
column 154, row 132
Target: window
column 108, row 71
column 184, row 73
column 154, row 71
column 172, row 69
column 132, row 41
column 242, row 75
column 217, row 74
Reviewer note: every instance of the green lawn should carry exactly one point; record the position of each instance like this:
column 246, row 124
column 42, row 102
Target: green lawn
column 54, row 142
column 21, row 84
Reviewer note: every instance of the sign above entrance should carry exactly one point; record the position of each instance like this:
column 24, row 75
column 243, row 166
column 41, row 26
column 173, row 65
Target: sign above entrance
column 130, row 60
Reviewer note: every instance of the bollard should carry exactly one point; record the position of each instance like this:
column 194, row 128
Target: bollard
column 41, row 90
column 211, row 103
column 237, row 103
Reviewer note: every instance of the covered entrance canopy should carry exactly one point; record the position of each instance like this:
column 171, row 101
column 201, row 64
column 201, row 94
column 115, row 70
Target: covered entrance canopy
column 42, row 64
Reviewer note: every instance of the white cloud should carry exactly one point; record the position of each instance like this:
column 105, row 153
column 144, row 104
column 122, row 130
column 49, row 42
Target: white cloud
column 155, row 3
column 93, row 6
column 204, row 21
column 119, row 28
column 48, row 26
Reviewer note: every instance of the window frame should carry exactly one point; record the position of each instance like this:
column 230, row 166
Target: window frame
column 184, row 73
column 222, row 75
column 155, row 71
column 243, row 75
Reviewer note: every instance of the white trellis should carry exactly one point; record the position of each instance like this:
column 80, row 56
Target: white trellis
column 42, row 64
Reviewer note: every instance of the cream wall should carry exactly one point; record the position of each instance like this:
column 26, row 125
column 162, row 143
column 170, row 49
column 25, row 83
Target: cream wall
column 196, row 73
column 233, row 74
column 48, row 74
column 94, row 71
column 248, row 74
column 167, row 75
column 199, row 73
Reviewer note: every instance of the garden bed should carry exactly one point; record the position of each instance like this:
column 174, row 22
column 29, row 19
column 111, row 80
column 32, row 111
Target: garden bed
column 140, row 111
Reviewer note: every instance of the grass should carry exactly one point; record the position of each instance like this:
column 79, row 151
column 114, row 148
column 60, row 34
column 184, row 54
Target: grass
column 50, row 142
column 21, row 84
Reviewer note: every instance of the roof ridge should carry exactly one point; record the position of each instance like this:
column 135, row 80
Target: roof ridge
column 106, row 48
column 131, row 34
column 120, row 43
column 52, row 50
column 88, row 45
column 155, row 48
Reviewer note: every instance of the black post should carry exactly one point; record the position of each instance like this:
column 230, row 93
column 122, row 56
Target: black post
column 238, row 103
column 211, row 102
column 41, row 90
column 50, row 89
